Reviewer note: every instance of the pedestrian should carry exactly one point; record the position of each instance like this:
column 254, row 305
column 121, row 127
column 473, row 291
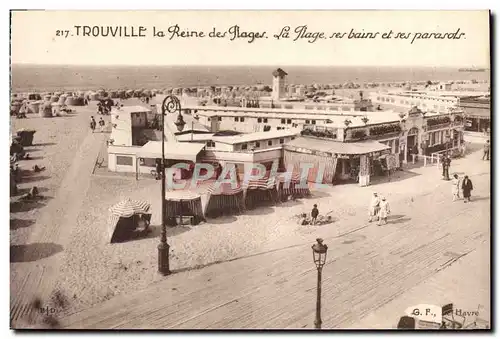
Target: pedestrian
column 92, row 124
column 102, row 124
column 486, row 153
column 374, row 206
column 314, row 214
column 384, row 211
column 446, row 167
column 158, row 169
column 467, row 188
column 455, row 187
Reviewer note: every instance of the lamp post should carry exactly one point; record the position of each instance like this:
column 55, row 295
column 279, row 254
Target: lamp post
column 319, row 257
column 171, row 104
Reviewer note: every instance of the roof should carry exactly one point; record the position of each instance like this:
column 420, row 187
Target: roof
column 131, row 109
column 173, row 150
column 194, row 137
column 242, row 138
column 336, row 147
column 279, row 72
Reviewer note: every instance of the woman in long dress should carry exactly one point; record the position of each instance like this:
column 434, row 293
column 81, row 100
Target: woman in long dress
column 467, row 188
column 455, row 187
column 384, row 211
column 374, row 206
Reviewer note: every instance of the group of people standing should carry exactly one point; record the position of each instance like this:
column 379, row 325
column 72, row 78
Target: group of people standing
column 461, row 185
column 93, row 124
column 379, row 209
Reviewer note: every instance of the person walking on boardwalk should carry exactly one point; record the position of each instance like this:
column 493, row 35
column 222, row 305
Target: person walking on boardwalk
column 101, row 124
column 314, row 214
column 486, row 153
column 92, row 124
column 455, row 187
column 467, row 188
column 374, row 206
column 384, row 211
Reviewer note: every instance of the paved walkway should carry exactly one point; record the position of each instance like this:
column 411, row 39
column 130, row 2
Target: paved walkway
column 368, row 267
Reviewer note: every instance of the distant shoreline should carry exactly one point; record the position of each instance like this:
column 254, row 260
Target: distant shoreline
column 48, row 78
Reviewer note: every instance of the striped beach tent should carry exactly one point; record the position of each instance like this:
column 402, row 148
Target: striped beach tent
column 259, row 191
column 182, row 203
column 123, row 218
column 291, row 184
column 127, row 208
column 224, row 198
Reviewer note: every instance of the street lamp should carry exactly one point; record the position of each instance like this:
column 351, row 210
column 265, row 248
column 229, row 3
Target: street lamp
column 171, row 104
column 319, row 257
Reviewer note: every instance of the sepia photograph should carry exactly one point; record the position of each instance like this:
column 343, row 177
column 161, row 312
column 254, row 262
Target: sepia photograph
column 250, row 170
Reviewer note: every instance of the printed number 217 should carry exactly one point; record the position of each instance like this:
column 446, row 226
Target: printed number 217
column 63, row 33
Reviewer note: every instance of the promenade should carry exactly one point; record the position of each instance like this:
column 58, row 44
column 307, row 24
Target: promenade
column 432, row 251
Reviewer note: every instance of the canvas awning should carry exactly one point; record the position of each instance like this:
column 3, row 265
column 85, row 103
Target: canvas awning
column 173, row 150
column 336, row 147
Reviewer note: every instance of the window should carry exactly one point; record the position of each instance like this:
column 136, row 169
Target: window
column 293, row 138
column 235, row 119
column 219, row 118
column 210, row 143
column 282, row 141
column 270, row 143
column 282, row 121
column 289, row 121
column 242, row 119
column 265, row 119
column 259, row 119
column 244, row 146
column 257, row 144
column 208, row 119
column 307, row 122
column 313, row 122
column 124, row 160
column 147, row 162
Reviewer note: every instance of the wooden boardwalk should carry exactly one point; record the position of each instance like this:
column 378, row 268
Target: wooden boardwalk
column 365, row 270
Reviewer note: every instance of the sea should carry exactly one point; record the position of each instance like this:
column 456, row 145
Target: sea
column 46, row 78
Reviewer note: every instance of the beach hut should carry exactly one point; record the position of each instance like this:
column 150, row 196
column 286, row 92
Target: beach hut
column 124, row 218
column 181, row 204
column 94, row 96
column 62, row 99
column 45, row 110
column 259, row 192
column 26, row 136
column 15, row 107
column 54, row 98
column 224, row 199
column 47, row 97
column 291, row 185
column 34, row 96
column 34, row 106
column 56, row 108
column 113, row 94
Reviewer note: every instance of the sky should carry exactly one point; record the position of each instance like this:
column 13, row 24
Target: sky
column 34, row 38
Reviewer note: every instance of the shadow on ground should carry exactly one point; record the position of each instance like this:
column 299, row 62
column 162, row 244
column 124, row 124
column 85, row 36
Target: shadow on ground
column 227, row 219
column 34, row 178
column 395, row 177
column 25, row 206
column 33, row 252
column 45, row 144
column 261, row 210
column 20, row 223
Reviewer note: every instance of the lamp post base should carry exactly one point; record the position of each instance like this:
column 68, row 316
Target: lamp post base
column 317, row 324
column 163, row 259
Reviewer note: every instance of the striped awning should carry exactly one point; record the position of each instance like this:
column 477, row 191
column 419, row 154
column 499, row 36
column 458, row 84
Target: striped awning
column 295, row 177
column 129, row 207
column 224, row 188
column 262, row 184
column 179, row 195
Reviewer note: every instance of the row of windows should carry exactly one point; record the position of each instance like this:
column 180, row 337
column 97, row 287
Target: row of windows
column 265, row 120
column 269, row 143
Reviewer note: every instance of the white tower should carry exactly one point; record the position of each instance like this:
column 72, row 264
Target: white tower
column 279, row 84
